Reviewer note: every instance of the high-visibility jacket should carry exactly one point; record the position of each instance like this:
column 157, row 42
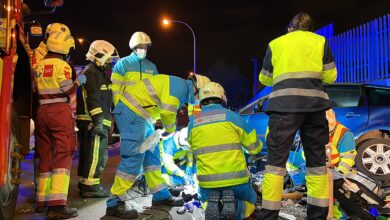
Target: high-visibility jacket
column 128, row 71
column 53, row 79
column 216, row 136
column 173, row 157
column 94, row 99
column 38, row 54
column 159, row 97
column 296, row 65
column 343, row 148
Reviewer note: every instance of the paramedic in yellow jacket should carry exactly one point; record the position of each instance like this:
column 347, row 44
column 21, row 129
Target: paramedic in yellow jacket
column 131, row 69
column 296, row 65
column 138, row 107
column 216, row 136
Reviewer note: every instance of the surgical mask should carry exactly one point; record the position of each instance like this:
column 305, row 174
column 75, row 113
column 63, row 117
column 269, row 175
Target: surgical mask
column 141, row 53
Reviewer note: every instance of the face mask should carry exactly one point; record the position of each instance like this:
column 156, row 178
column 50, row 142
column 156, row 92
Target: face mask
column 141, row 53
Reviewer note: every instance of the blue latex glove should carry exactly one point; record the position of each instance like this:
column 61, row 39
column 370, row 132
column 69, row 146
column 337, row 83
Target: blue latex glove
column 82, row 79
column 165, row 136
column 189, row 171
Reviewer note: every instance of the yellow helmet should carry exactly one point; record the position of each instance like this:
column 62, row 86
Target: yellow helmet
column 212, row 90
column 56, row 27
column 139, row 38
column 60, row 42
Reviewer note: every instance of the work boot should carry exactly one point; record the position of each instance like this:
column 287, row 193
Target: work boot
column 95, row 191
column 122, row 210
column 170, row 201
column 61, row 212
column 229, row 206
column 212, row 210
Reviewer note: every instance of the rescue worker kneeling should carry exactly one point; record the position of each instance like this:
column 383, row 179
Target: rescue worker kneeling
column 177, row 159
column 216, row 136
column 94, row 118
column 138, row 107
column 55, row 135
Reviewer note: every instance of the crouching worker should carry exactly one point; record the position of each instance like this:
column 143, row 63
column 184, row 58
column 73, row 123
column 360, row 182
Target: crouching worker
column 177, row 159
column 159, row 96
column 216, row 136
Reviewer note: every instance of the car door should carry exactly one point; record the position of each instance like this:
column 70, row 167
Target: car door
column 350, row 105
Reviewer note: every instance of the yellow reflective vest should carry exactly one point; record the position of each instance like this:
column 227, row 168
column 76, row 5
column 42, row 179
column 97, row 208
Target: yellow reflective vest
column 216, row 136
column 296, row 65
column 159, row 97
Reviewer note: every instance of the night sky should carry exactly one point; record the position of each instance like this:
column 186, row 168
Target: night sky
column 229, row 33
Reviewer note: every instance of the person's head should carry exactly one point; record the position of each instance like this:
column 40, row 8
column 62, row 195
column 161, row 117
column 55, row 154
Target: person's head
column 56, row 27
column 212, row 93
column 198, row 81
column 302, row 22
column 139, row 42
column 331, row 117
column 60, row 43
column 103, row 54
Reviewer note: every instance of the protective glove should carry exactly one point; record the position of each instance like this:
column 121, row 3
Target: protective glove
column 82, row 79
column 187, row 179
column 98, row 127
column 189, row 171
column 165, row 135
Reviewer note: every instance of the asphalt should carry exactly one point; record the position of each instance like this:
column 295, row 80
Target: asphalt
column 89, row 209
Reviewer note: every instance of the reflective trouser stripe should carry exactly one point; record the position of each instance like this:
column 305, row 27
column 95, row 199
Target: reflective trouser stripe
column 154, row 179
column 43, row 189
column 95, row 159
column 273, row 187
column 122, row 182
column 317, row 186
column 247, row 209
column 59, row 187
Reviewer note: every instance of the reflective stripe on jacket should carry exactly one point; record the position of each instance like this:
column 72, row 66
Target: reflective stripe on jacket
column 216, row 136
column 159, row 96
column 295, row 65
column 343, row 150
column 54, row 80
column 94, row 98
column 128, row 71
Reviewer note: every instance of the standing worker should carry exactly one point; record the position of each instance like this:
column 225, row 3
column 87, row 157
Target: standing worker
column 133, row 68
column 138, row 107
column 94, row 118
column 216, row 136
column 296, row 65
column 55, row 135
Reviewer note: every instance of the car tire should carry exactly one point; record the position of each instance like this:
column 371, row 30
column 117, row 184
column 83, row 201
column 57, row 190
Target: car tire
column 9, row 192
column 373, row 158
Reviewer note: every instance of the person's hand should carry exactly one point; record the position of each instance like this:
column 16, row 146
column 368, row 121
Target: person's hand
column 165, row 135
column 98, row 128
column 189, row 171
column 187, row 179
column 253, row 159
column 82, row 79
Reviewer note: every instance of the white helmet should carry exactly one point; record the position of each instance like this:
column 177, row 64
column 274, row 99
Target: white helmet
column 212, row 90
column 102, row 52
column 139, row 38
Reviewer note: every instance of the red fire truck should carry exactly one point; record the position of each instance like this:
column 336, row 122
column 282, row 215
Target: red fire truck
column 15, row 98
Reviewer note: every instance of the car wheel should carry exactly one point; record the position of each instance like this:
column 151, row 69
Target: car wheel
column 9, row 192
column 373, row 158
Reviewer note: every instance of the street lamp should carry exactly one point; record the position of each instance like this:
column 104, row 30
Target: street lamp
column 81, row 40
column 166, row 22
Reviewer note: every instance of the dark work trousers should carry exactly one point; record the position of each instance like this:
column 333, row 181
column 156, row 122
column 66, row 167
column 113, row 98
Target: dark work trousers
column 93, row 155
column 314, row 134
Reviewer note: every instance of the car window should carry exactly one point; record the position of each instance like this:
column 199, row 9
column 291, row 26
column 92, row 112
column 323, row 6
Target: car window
column 344, row 95
column 378, row 96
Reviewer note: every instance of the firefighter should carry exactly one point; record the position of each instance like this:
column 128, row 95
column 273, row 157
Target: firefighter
column 156, row 97
column 94, row 118
column 133, row 68
column 216, row 136
column 177, row 159
column 40, row 52
column 55, row 135
column 343, row 146
column 296, row 65
column 195, row 109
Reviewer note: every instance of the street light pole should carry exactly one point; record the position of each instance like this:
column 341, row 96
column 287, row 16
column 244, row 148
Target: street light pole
column 166, row 21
